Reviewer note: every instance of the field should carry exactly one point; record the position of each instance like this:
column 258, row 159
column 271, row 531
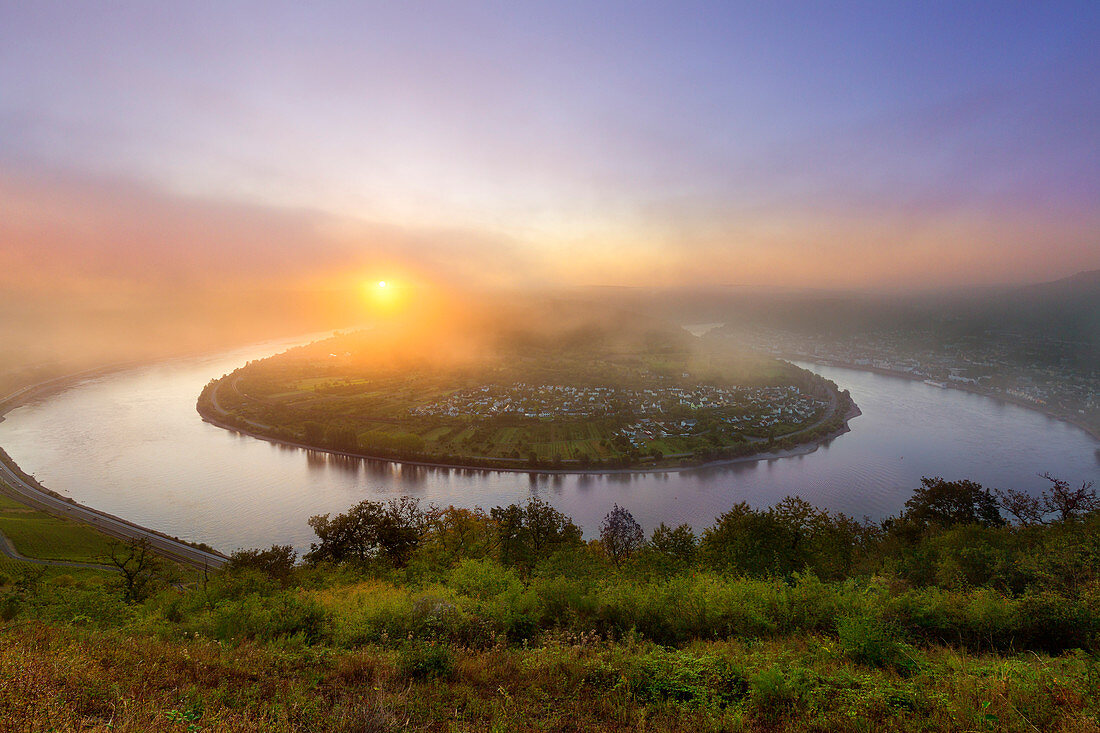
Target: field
column 665, row 402
column 40, row 535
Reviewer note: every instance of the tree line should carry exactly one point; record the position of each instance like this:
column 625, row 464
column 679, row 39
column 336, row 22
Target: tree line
column 986, row 535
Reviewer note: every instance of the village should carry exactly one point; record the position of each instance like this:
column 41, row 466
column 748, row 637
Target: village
column 653, row 413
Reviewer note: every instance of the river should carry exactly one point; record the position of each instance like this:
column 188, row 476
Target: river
column 131, row 443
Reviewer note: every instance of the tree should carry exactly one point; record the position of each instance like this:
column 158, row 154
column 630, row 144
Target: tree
column 314, row 433
column 1027, row 509
column 547, row 527
column 455, row 534
column 620, row 535
column 744, row 541
column 368, row 531
column 792, row 536
column 526, row 533
column 947, row 503
column 277, row 562
column 342, row 438
column 137, row 565
column 1069, row 504
column 678, row 544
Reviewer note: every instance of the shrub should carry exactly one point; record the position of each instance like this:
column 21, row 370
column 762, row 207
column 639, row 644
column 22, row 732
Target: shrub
column 97, row 605
column 873, row 642
column 276, row 562
column 266, row 618
column 484, row 579
column 421, row 660
column 682, row 677
column 774, row 693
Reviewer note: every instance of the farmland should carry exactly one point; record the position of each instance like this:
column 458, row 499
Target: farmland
column 660, row 399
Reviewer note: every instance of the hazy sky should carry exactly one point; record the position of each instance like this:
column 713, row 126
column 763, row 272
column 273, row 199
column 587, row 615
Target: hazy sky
column 773, row 143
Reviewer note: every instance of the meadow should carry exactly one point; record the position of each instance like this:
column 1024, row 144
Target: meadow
column 36, row 534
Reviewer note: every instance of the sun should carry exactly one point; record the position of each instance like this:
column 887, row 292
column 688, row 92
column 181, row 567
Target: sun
column 384, row 297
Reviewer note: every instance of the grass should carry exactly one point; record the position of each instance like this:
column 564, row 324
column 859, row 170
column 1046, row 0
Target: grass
column 505, row 436
column 574, row 644
column 68, row 679
column 434, row 434
column 40, row 535
column 457, row 641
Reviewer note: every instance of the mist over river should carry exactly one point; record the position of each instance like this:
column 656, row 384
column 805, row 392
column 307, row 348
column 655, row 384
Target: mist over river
column 131, row 443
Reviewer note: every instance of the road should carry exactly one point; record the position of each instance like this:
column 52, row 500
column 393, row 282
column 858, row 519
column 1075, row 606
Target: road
column 171, row 548
column 25, row 491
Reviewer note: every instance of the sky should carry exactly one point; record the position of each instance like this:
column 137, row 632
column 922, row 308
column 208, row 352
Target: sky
column 221, row 145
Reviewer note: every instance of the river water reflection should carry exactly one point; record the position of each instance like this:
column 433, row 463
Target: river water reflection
column 132, row 444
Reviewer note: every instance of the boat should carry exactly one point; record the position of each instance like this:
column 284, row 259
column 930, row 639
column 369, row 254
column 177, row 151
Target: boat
column 934, row 383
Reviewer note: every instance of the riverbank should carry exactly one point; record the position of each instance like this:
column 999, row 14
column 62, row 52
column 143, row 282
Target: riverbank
column 23, row 487
column 58, row 384
column 1090, row 430
column 798, row 450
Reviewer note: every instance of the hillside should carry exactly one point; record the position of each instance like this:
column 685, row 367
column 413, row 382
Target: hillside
column 404, row 617
column 1064, row 310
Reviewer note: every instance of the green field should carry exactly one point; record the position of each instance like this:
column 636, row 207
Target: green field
column 43, row 536
column 37, row 534
column 556, row 414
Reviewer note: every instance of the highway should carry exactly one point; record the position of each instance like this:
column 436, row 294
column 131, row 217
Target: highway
column 26, row 491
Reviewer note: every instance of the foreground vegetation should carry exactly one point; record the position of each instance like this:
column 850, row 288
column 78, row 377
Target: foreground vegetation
column 79, row 679
column 401, row 617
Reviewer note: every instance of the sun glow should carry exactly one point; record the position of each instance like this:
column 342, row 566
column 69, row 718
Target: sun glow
column 385, row 297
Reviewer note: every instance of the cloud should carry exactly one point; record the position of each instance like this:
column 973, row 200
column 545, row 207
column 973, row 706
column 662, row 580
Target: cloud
column 68, row 231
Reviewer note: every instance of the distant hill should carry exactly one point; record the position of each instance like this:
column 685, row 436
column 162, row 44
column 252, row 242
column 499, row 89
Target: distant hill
column 1068, row 308
column 1065, row 310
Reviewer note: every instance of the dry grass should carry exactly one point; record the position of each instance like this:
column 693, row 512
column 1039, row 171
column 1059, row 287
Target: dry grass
column 63, row 679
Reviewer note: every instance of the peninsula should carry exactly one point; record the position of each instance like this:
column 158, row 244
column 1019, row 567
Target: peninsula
column 612, row 395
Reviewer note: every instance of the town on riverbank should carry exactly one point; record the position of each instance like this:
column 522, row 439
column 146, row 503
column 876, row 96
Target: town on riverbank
column 1040, row 373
